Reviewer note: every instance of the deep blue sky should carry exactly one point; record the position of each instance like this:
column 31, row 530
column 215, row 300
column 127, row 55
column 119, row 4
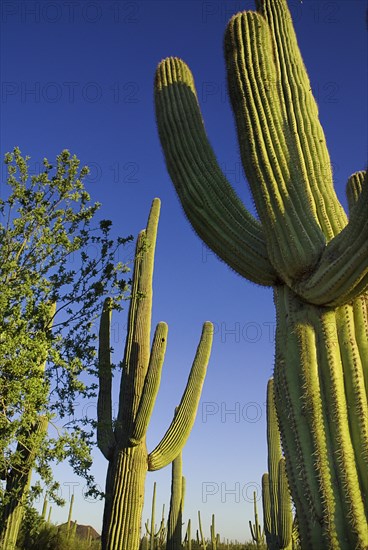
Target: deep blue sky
column 79, row 75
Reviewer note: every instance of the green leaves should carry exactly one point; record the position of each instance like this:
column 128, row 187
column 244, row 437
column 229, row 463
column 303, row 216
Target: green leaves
column 52, row 251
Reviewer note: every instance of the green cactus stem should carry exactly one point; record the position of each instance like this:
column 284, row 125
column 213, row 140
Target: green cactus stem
column 70, row 524
column 174, row 523
column 215, row 537
column 188, row 536
column 303, row 245
column 200, row 536
column 284, row 513
column 44, row 508
column 124, row 443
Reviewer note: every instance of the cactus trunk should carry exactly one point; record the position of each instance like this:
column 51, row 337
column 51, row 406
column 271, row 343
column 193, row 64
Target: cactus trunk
column 123, row 509
column 315, row 420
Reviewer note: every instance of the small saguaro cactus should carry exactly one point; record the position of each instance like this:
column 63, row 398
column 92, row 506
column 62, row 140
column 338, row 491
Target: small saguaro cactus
column 215, row 537
column 155, row 536
column 71, row 526
column 255, row 528
column 188, row 536
column 200, row 535
column 124, row 443
column 302, row 244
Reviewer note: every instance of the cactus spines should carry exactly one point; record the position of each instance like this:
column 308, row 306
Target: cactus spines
column 303, row 245
column 284, row 513
column 124, row 444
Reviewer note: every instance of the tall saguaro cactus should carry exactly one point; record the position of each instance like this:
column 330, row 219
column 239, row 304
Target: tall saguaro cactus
column 124, row 445
column 303, row 246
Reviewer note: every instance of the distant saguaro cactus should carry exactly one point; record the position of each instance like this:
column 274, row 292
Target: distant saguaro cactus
column 303, row 246
column 277, row 511
column 155, row 535
column 124, row 445
column 255, row 528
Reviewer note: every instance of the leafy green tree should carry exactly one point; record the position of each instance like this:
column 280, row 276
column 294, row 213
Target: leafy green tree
column 56, row 267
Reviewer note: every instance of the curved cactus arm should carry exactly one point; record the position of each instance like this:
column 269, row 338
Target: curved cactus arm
column 151, row 384
column 306, row 137
column 342, row 272
column 354, row 188
column 270, row 151
column 284, row 515
column 212, row 206
column 105, row 434
column 137, row 344
column 182, row 423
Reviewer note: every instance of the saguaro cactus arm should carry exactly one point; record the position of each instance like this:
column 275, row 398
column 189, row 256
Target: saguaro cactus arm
column 182, row 423
column 288, row 167
column 209, row 201
column 354, row 188
column 105, row 434
column 342, row 271
column 151, row 384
